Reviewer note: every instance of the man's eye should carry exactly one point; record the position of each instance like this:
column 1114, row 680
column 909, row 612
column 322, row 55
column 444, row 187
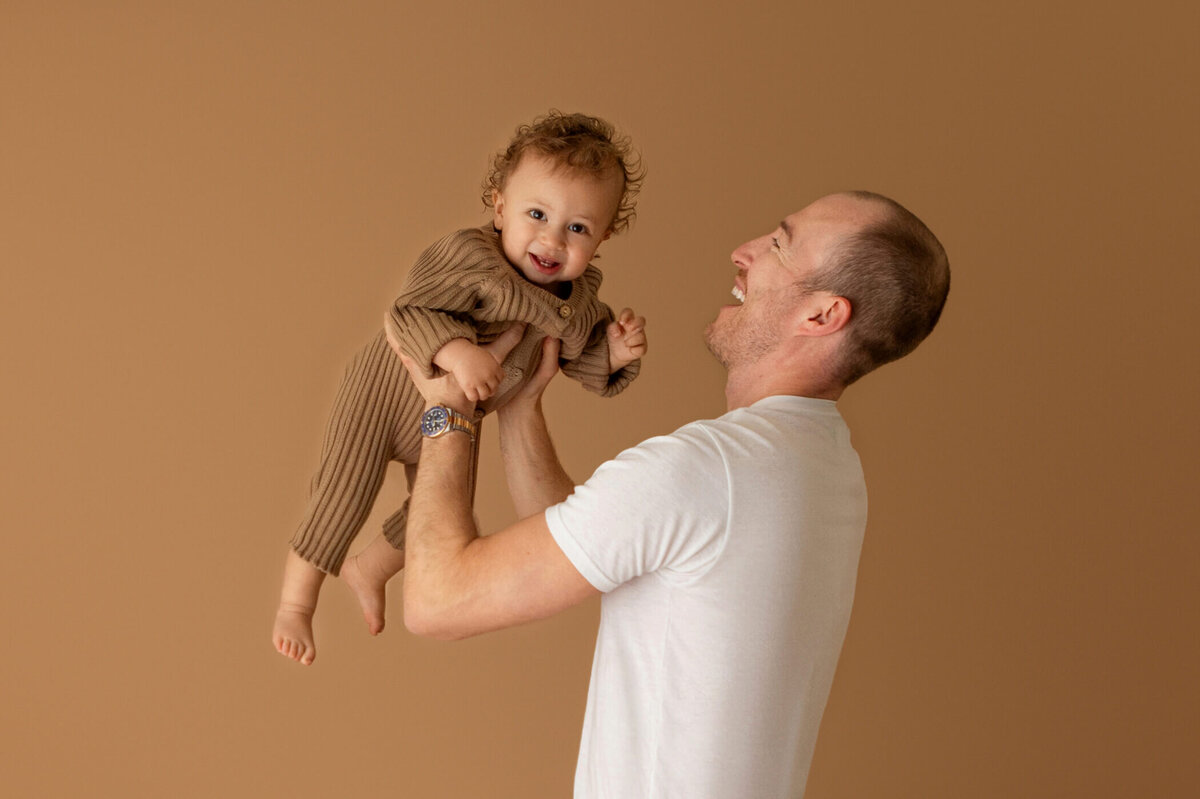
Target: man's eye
column 577, row 228
column 774, row 243
column 537, row 214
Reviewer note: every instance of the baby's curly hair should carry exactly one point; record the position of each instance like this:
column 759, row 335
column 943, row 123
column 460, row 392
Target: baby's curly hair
column 580, row 142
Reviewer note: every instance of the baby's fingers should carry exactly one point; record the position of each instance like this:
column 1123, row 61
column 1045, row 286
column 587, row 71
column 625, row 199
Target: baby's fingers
column 491, row 384
column 628, row 320
column 637, row 345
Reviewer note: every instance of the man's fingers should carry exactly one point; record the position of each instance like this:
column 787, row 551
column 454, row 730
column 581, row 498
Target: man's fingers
column 548, row 368
column 392, row 341
column 504, row 343
column 549, row 364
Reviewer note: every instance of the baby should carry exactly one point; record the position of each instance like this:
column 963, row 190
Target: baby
column 564, row 184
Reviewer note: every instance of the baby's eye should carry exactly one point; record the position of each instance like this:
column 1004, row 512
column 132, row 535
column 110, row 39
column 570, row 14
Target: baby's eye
column 537, row 213
column 577, row 228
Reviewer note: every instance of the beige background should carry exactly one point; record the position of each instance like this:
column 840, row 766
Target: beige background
column 206, row 207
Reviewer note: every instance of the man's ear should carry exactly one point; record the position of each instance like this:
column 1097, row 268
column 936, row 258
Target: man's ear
column 498, row 209
column 822, row 314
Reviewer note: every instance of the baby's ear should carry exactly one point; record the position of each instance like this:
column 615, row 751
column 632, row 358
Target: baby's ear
column 498, row 208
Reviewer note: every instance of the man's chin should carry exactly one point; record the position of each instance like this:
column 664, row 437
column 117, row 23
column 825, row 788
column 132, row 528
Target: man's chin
column 712, row 342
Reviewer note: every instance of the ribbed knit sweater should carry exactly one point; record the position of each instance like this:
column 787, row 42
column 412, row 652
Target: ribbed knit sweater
column 461, row 287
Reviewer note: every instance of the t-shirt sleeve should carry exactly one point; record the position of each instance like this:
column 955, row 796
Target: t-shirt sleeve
column 660, row 507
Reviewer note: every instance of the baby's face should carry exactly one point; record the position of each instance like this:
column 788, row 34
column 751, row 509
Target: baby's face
column 552, row 220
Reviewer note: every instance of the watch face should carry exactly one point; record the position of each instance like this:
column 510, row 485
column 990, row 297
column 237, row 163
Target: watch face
column 435, row 420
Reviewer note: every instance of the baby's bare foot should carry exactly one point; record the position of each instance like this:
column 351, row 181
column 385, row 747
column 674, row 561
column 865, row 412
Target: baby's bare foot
column 368, row 585
column 293, row 636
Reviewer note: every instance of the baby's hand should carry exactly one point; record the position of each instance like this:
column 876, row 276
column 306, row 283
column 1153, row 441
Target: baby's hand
column 475, row 369
column 626, row 340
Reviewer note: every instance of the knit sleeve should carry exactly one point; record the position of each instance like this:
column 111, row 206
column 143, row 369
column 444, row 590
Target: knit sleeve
column 591, row 367
column 443, row 287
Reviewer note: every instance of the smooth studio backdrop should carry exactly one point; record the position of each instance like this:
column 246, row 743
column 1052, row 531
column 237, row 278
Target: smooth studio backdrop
column 205, row 208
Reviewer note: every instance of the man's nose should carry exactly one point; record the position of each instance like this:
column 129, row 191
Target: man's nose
column 743, row 256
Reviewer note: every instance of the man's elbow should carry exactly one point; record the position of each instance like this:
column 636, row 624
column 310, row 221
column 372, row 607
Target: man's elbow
column 420, row 618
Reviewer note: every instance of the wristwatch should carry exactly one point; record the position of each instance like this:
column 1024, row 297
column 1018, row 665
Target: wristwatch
column 439, row 420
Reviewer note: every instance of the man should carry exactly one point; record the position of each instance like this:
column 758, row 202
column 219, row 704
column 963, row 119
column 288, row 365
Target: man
column 727, row 551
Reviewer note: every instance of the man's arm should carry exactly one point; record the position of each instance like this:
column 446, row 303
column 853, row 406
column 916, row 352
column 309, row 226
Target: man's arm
column 536, row 479
column 456, row 583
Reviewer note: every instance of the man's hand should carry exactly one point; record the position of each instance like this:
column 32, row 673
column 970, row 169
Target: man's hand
column 536, row 478
column 626, row 340
column 531, row 393
column 446, row 390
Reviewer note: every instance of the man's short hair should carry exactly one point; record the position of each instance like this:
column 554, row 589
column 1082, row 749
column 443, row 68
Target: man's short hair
column 896, row 276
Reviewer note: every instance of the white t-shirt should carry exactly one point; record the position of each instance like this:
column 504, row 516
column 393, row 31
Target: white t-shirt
column 728, row 553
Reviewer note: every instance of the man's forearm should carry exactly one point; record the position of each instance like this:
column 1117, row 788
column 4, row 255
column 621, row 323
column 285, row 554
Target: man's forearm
column 459, row 584
column 536, row 479
column 440, row 528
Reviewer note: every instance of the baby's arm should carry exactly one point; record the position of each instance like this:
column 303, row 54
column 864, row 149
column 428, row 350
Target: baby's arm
column 475, row 369
column 626, row 340
column 441, row 291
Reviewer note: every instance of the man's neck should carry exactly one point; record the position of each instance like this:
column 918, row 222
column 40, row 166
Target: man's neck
column 747, row 385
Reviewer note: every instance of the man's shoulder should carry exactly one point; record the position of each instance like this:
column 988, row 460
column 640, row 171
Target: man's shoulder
column 781, row 409
column 771, row 426
column 692, row 446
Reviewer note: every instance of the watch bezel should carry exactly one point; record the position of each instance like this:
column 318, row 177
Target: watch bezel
column 439, row 420
column 435, row 421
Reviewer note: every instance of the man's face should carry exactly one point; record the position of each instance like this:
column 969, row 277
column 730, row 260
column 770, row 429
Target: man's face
column 768, row 269
column 552, row 220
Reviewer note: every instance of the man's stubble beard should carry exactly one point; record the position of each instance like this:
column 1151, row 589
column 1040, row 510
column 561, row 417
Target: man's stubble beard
column 744, row 341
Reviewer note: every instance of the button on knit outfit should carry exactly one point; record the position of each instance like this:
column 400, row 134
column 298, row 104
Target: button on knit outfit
column 461, row 287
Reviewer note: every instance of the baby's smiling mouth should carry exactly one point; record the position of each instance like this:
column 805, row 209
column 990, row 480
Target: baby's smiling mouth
column 544, row 265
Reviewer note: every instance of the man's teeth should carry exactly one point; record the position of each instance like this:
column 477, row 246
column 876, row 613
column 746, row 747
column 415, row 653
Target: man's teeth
column 738, row 294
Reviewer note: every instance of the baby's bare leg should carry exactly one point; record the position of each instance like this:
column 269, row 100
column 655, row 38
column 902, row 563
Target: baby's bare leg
column 368, row 571
column 293, row 635
column 367, row 574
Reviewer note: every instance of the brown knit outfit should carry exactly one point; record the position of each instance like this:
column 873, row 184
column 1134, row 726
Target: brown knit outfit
column 461, row 287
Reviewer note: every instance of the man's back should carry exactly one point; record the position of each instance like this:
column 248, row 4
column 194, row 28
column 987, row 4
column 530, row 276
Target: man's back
column 729, row 551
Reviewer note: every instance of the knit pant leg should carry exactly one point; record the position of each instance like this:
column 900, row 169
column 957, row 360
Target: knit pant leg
column 354, row 456
column 396, row 524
